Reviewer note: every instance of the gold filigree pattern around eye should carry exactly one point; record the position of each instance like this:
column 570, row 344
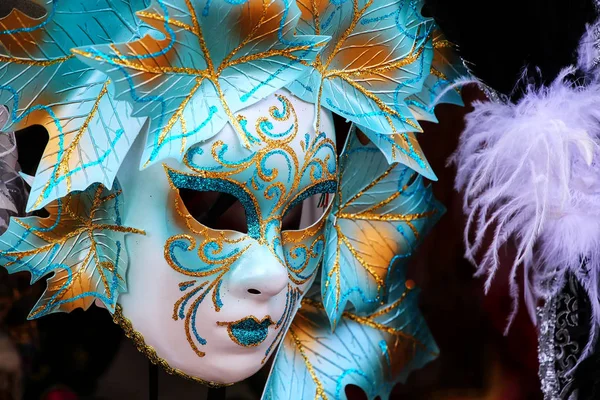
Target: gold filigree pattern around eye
column 285, row 168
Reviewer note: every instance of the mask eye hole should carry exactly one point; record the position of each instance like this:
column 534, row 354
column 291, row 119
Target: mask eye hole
column 306, row 213
column 215, row 210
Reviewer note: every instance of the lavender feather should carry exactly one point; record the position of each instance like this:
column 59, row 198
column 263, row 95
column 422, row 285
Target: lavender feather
column 530, row 173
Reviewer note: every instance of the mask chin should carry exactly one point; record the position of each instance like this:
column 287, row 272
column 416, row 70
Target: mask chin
column 209, row 297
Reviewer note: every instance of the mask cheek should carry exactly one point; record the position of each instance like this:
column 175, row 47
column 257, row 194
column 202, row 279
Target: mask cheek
column 303, row 252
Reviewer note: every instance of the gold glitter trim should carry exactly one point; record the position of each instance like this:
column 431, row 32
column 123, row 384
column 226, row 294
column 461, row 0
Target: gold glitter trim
column 370, row 322
column 388, row 217
column 63, row 164
column 150, row 352
column 369, row 268
column 172, row 21
column 36, row 63
column 178, row 114
column 286, row 320
column 320, row 391
column 74, row 226
column 162, row 69
column 377, row 71
column 433, row 71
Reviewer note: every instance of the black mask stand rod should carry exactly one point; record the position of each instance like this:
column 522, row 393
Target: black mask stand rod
column 213, row 393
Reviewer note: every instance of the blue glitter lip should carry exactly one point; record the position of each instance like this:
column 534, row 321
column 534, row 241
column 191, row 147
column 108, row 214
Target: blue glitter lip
column 249, row 331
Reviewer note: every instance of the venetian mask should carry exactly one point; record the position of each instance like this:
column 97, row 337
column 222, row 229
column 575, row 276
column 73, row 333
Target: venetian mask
column 216, row 302
column 195, row 188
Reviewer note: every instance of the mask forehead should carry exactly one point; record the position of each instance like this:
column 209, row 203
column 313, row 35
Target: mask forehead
column 286, row 163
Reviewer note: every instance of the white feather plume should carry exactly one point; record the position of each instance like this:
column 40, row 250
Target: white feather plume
column 13, row 193
column 530, row 173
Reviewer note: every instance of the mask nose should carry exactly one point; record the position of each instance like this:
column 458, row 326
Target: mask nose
column 257, row 274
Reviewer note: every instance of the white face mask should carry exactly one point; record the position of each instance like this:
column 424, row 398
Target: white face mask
column 214, row 303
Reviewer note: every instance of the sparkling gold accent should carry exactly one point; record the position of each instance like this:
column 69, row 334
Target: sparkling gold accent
column 22, row 42
column 186, row 283
column 307, row 339
column 366, row 188
column 269, row 145
column 63, row 164
column 73, row 226
column 370, row 322
column 370, row 269
column 212, row 72
column 336, row 270
column 150, row 352
column 35, row 63
column 222, row 267
column 186, row 297
column 162, row 69
column 320, row 391
column 172, row 21
column 438, row 74
column 178, row 115
column 375, row 66
column 376, row 266
column 440, row 43
column 410, row 286
column 288, row 315
column 387, row 217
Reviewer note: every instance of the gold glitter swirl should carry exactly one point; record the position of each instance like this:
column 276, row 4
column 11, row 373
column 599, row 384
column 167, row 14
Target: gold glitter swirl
column 303, row 176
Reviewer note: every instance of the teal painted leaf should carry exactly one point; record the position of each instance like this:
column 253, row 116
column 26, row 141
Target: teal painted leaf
column 43, row 83
column 380, row 54
column 207, row 60
column 373, row 352
column 81, row 244
column 446, row 69
column 379, row 215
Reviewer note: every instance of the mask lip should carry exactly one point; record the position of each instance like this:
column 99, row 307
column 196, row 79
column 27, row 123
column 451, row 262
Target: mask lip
column 248, row 325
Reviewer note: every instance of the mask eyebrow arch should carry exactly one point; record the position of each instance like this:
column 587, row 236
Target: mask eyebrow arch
column 182, row 180
column 329, row 186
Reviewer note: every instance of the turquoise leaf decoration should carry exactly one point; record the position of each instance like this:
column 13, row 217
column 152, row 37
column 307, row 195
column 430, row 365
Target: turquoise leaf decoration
column 41, row 82
column 380, row 54
column 378, row 218
column 81, row 244
column 446, row 69
column 206, row 61
column 373, row 352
